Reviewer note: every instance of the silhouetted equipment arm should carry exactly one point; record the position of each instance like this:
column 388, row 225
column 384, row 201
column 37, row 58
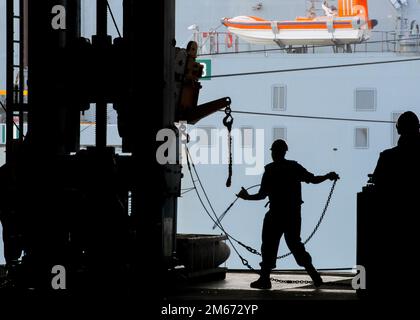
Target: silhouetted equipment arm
column 187, row 73
column 197, row 113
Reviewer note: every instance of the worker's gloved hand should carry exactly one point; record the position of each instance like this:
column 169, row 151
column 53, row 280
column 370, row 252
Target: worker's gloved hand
column 243, row 194
column 333, row 176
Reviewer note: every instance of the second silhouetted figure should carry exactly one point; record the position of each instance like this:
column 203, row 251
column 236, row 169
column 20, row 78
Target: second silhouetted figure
column 281, row 182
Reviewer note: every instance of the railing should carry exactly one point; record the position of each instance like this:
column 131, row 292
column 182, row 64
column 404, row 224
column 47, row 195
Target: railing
column 213, row 43
column 87, row 134
column 217, row 42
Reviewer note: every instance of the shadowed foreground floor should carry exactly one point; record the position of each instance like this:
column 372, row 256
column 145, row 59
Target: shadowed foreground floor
column 236, row 287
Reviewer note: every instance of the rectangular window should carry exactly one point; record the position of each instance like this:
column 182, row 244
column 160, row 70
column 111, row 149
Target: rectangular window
column 361, row 138
column 365, row 99
column 2, row 134
column 247, row 134
column 279, row 97
column 280, row 133
column 394, row 133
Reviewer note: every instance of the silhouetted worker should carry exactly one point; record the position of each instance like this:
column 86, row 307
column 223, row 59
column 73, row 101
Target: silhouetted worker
column 281, row 182
column 392, row 208
column 398, row 166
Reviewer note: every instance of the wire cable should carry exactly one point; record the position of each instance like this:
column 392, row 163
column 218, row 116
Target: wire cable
column 229, row 237
column 191, row 164
column 231, row 205
column 113, row 19
column 87, row 127
column 187, row 190
column 310, row 117
column 253, row 73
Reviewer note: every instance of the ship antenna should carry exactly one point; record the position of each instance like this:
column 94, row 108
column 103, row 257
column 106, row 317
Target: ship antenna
column 311, row 10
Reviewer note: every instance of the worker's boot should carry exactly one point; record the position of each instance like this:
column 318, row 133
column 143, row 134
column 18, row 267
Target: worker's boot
column 263, row 282
column 313, row 273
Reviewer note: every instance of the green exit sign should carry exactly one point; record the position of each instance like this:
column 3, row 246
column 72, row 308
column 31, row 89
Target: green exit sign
column 206, row 63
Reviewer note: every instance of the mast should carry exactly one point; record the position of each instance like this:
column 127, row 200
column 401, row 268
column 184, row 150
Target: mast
column 311, row 11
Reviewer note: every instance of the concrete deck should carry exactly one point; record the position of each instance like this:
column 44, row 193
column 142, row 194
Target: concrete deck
column 236, row 287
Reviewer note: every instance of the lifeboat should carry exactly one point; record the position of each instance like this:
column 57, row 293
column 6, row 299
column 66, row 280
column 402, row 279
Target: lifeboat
column 349, row 23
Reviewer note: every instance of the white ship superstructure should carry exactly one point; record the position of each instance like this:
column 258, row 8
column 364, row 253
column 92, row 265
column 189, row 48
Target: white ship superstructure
column 337, row 118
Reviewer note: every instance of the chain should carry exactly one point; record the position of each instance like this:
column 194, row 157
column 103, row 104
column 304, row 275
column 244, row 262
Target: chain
column 228, row 122
column 327, row 284
column 246, row 264
column 292, row 281
column 250, row 249
column 254, row 251
column 184, row 136
column 321, row 218
column 324, row 211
